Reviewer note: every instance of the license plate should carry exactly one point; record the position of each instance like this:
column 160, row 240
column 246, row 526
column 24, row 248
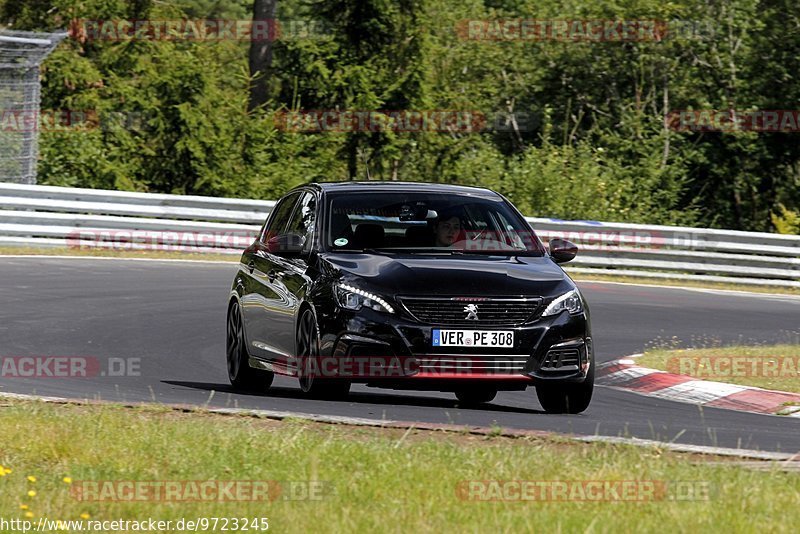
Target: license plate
column 473, row 338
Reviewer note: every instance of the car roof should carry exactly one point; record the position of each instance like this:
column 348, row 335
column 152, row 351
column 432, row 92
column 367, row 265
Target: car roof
column 363, row 187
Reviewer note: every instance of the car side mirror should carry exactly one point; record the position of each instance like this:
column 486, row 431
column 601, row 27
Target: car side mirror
column 562, row 250
column 287, row 245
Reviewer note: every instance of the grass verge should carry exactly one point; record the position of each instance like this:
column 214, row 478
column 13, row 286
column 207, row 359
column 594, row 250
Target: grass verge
column 770, row 367
column 379, row 479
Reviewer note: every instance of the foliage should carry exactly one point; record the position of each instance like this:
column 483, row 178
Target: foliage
column 344, row 478
column 590, row 140
column 787, row 222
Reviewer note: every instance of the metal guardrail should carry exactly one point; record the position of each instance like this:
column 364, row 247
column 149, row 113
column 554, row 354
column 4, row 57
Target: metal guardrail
column 46, row 216
column 674, row 252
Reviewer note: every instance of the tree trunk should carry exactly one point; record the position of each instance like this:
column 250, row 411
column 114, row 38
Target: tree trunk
column 665, row 104
column 261, row 51
column 352, row 157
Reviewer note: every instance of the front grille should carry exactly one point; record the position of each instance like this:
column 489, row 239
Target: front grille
column 489, row 311
column 472, row 364
column 562, row 360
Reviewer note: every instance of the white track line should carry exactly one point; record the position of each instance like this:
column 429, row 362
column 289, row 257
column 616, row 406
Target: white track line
column 270, row 414
column 625, row 375
column 111, row 258
column 732, row 292
column 700, row 449
column 697, row 391
column 657, row 286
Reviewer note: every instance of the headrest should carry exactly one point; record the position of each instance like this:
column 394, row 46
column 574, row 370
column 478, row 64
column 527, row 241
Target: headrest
column 341, row 226
column 369, row 235
column 417, row 236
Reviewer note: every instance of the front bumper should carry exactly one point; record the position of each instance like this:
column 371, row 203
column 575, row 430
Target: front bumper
column 394, row 351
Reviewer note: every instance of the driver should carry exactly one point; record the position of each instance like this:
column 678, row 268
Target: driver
column 447, row 229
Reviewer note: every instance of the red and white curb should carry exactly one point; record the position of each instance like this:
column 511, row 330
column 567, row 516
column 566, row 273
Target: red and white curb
column 624, row 374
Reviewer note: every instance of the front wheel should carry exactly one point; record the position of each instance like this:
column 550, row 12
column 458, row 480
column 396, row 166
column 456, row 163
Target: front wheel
column 309, row 363
column 240, row 374
column 566, row 398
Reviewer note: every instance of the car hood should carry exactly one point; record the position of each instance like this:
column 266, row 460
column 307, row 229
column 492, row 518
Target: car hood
column 467, row 275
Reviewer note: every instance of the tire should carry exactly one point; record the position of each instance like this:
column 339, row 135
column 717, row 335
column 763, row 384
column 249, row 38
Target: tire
column 475, row 397
column 565, row 397
column 240, row 374
column 307, row 350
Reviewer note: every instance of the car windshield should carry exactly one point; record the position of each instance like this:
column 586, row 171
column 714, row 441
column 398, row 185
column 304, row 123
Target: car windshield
column 422, row 222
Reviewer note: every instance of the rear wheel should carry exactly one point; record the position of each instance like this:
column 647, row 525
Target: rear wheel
column 567, row 398
column 309, row 363
column 475, row 397
column 240, row 374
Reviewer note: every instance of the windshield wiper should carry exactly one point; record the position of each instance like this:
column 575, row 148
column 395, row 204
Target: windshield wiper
column 442, row 251
column 496, row 252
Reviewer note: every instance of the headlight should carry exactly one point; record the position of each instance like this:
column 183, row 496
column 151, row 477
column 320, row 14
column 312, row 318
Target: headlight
column 353, row 298
column 570, row 301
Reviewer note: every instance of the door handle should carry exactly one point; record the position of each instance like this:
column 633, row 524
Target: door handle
column 251, row 266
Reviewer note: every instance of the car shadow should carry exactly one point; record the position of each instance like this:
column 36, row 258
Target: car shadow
column 379, row 397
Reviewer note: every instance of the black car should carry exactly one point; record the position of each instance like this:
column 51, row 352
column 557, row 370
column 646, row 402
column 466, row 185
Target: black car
column 409, row 286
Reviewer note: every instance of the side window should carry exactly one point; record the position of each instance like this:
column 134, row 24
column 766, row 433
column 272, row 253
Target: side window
column 476, row 219
column 279, row 217
column 304, row 218
column 512, row 236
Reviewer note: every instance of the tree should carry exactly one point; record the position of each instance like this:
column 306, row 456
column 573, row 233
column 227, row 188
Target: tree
column 260, row 58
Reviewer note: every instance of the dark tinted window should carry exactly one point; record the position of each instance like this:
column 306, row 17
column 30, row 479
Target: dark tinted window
column 304, row 218
column 428, row 222
column 280, row 217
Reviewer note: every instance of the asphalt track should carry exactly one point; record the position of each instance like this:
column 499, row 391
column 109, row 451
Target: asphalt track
column 172, row 317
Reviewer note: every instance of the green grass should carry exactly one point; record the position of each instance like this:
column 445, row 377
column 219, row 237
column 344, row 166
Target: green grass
column 781, row 371
column 382, row 479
